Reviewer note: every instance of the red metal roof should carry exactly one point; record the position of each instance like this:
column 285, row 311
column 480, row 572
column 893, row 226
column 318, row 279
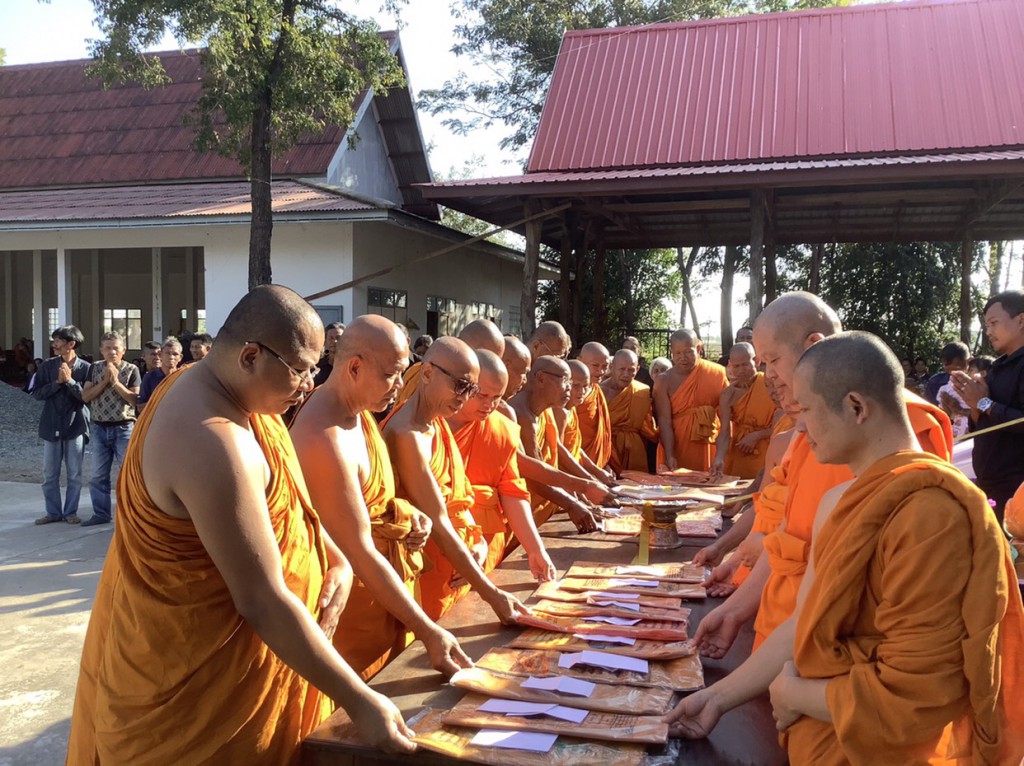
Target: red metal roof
column 166, row 201
column 883, row 79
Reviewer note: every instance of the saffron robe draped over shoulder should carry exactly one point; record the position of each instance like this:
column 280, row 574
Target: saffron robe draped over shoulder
column 571, row 436
column 489, row 448
column 632, row 422
column 436, row 594
column 410, row 383
column 368, row 635
column 808, row 480
column 695, row 416
column 769, row 506
column 915, row 619
column 754, row 411
column 595, row 426
column 547, row 451
column 171, row 672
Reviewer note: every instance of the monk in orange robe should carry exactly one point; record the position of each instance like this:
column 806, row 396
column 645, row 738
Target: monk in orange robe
column 432, row 476
column 213, row 587
column 352, row 485
column 747, row 413
column 631, row 416
column 478, row 334
column 883, row 670
column 686, row 405
column 595, row 420
column 489, row 445
column 573, row 459
column 785, row 329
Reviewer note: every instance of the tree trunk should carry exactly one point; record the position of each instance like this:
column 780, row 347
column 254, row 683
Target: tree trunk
column 531, row 263
column 771, row 275
column 580, row 265
column 966, row 259
column 758, row 203
column 996, row 252
column 261, row 225
column 814, row 278
column 600, row 318
column 686, row 264
column 627, row 291
column 732, row 255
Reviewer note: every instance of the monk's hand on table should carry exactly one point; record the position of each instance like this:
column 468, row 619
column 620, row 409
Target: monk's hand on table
column 971, row 390
column 541, row 567
column 380, row 725
column 695, row 716
column 709, row 556
column 784, row 693
column 719, row 582
column 420, row 531
column 717, row 467
column 333, row 597
column 671, row 464
column 506, row 606
column 446, row 656
column 597, row 493
column 582, row 518
column 717, row 632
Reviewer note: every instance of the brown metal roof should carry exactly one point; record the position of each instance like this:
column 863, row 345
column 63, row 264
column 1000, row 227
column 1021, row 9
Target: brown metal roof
column 170, row 201
column 893, row 78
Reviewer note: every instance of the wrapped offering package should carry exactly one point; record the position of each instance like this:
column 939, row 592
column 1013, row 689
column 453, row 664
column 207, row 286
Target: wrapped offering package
column 566, row 642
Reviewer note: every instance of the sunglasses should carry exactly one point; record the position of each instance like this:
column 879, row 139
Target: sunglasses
column 302, row 375
column 460, row 386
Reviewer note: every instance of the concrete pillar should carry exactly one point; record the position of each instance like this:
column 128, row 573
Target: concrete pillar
column 190, row 289
column 40, row 323
column 8, row 301
column 96, row 295
column 158, row 295
column 63, row 287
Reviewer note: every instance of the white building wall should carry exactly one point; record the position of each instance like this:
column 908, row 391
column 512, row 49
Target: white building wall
column 365, row 168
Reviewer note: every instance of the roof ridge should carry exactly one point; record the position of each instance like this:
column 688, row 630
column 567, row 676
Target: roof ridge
column 747, row 18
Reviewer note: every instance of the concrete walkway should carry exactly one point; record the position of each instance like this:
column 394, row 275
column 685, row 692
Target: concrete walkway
column 48, row 578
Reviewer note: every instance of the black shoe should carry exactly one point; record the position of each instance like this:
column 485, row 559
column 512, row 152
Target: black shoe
column 47, row 520
column 72, row 519
column 94, row 521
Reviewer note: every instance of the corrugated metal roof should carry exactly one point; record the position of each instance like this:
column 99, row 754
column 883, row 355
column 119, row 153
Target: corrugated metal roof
column 167, row 201
column 891, row 78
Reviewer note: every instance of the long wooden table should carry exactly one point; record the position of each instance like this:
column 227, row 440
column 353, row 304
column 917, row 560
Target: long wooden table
column 745, row 736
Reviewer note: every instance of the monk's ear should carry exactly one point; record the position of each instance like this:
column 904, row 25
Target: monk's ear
column 811, row 339
column 858, row 406
column 247, row 357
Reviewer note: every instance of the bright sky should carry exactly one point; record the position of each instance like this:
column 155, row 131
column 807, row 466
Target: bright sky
column 32, row 31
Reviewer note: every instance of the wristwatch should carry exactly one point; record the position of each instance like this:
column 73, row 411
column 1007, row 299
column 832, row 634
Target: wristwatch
column 984, row 404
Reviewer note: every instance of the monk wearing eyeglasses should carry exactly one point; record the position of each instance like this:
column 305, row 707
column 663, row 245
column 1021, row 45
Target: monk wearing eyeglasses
column 432, row 476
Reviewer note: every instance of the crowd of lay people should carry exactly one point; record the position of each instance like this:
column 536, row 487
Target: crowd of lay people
column 239, row 605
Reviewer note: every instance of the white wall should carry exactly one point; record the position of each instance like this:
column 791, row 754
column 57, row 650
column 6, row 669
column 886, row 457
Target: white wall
column 365, row 169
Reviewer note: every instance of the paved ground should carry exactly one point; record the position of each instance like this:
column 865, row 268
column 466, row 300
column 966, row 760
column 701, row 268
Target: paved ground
column 48, row 579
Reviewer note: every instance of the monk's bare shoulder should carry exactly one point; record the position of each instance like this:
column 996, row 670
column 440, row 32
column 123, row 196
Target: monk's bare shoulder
column 828, row 503
column 561, row 416
column 508, row 411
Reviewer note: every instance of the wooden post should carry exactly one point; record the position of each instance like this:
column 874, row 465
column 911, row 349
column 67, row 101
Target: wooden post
column 966, row 262
column 600, row 323
column 728, row 272
column 528, row 299
column 814, row 279
column 565, row 272
column 758, row 203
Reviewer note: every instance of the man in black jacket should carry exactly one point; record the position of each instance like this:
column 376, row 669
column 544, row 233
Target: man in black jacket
column 64, row 424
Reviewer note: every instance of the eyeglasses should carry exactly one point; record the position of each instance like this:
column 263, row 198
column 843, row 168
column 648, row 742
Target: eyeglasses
column 302, row 375
column 563, row 379
column 461, row 386
column 562, row 355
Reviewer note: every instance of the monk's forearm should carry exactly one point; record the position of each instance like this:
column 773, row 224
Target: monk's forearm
column 809, row 696
column 756, row 674
column 552, row 494
column 454, row 549
column 383, row 582
column 567, row 463
column 737, row 532
column 546, row 477
column 747, row 598
column 290, row 631
column 520, row 519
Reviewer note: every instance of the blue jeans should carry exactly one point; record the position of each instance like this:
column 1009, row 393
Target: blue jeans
column 70, row 452
column 108, row 442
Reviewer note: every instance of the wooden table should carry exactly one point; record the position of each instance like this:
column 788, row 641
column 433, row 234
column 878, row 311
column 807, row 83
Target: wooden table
column 744, row 736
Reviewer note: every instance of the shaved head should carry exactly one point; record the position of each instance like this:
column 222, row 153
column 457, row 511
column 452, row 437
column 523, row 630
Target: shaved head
column 632, row 343
column 624, row 355
column 483, row 334
column 580, row 382
column 450, row 376
column 685, row 335
column 579, row 371
column 491, row 366
column 854, row 362
column 492, row 385
column 742, row 368
column 451, row 351
column 794, row 317
column 517, row 361
column 549, row 339
column 597, row 358
column 276, row 316
column 741, row 351
column 371, row 335
column 625, row 365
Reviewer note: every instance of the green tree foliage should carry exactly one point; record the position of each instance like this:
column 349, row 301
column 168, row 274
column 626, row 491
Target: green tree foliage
column 517, row 42
column 907, row 294
column 3, row 56
column 653, row 276
column 464, row 222
column 273, row 71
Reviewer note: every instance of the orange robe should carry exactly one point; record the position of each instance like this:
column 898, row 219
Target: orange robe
column 410, row 383
column 436, row 594
column 489, row 448
column 170, row 670
column 1013, row 514
column 695, row 416
column 547, row 451
column 808, row 480
column 571, row 436
column 754, row 411
column 368, row 635
column 915, row 620
column 595, row 426
column 631, row 423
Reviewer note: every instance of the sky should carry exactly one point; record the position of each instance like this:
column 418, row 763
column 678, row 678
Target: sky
column 427, row 34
